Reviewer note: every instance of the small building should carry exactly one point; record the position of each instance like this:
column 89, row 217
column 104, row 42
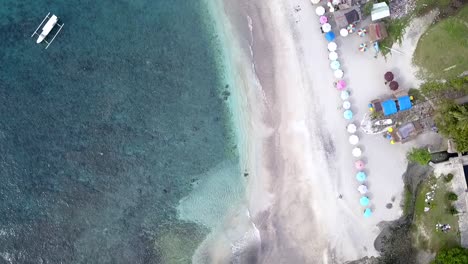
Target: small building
column 377, row 32
column 392, row 106
column 344, row 17
column 379, row 11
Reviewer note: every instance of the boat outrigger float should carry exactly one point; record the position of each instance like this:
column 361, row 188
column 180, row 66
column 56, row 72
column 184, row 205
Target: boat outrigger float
column 49, row 25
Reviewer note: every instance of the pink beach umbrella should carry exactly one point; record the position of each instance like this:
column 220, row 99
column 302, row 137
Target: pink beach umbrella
column 323, row 20
column 360, row 165
column 340, row 85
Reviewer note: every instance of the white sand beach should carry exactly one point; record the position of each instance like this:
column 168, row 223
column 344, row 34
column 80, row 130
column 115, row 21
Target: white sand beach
column 296, row 147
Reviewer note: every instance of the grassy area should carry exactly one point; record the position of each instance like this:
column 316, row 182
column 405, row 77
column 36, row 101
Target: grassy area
column 442, row 52
column 424, row 6
column 425, row 234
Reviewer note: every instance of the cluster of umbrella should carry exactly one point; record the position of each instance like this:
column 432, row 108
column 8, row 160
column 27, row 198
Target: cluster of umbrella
column 341, row 85
column 389, row 78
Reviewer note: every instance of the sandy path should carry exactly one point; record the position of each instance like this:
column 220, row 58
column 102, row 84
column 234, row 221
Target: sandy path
column 296, row 150
column 310, row 150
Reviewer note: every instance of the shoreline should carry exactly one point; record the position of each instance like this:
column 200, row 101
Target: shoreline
column 293, row 142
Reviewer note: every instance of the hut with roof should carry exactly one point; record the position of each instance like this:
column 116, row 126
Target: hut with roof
column 377, row 32
column 344, row 17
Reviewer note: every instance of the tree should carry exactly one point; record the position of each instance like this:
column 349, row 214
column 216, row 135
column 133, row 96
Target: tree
column 456, row 255
column 419, row 155
column 368, row 8
column 452, row 121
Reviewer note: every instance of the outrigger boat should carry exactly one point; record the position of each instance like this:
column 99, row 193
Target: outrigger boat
column 49, row 25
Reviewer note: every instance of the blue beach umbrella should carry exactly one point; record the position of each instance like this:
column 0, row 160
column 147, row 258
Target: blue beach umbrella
column 348, row 114
column 330, row 36
column 367, row 213
column 364, row 201
column 361, row 176
column 335, row 65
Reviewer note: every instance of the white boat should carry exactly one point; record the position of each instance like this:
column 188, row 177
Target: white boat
column 47, row 28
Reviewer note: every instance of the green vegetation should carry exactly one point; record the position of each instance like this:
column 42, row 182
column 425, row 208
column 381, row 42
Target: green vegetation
column 438, row 89
column 367, row 9
column 456, row 255
column 426, row 235
column 452, row 121
column 448, row 177
column 416, row 94
column 419, row 155
column 424, row 6
column 442, row 52
column 407, row 200
column 395, row 29
column 451, row 196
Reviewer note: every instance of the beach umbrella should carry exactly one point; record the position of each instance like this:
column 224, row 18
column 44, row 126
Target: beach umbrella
column 335, row 65
column 320, row 10
column 362, row 32
column 344, row 32
column 331, row 9
column 362, row 189
column 346, row 105
column 332, row 56
column 351, row 28
column 363, row 47
column 332, row 46
column 364, row 201
column 359, row 165
column 336, row 2
column 348, row 114
column 351, row 128
column 326, row 27
column 353, row 140
column 357, row 152
column 314, row 2
column 330, row 36
column 388, row 76
column 361, row 176
column 344, row 95
column 340, row 85
column 323, row 19
column 338, row 73
column 367, row 213
column 394, row 85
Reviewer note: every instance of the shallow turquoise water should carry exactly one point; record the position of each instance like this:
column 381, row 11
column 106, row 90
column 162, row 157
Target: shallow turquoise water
column 102, row 134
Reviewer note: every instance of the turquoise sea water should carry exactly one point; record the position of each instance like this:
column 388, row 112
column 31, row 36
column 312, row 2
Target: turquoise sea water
column 105, row 132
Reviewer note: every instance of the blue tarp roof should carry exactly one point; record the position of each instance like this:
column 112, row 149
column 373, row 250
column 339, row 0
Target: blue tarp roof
column 389, row 107
column 404, row 103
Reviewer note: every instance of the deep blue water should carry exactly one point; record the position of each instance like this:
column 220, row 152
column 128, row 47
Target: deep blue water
column 101, row 134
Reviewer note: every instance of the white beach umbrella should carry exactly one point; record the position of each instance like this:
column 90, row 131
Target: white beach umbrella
column 336, row 2
column 346, row 105
column 332, row 46
column 353, row 139
column 357, row 152
column 314, row 2
column 320, row 10
column 344, row 32
column 338, row 73
column 362, row 189
column 344, row 95
column 335, row 65
column 333, row 56
column 332, row 9
column 351, row 128
column 326, row 27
